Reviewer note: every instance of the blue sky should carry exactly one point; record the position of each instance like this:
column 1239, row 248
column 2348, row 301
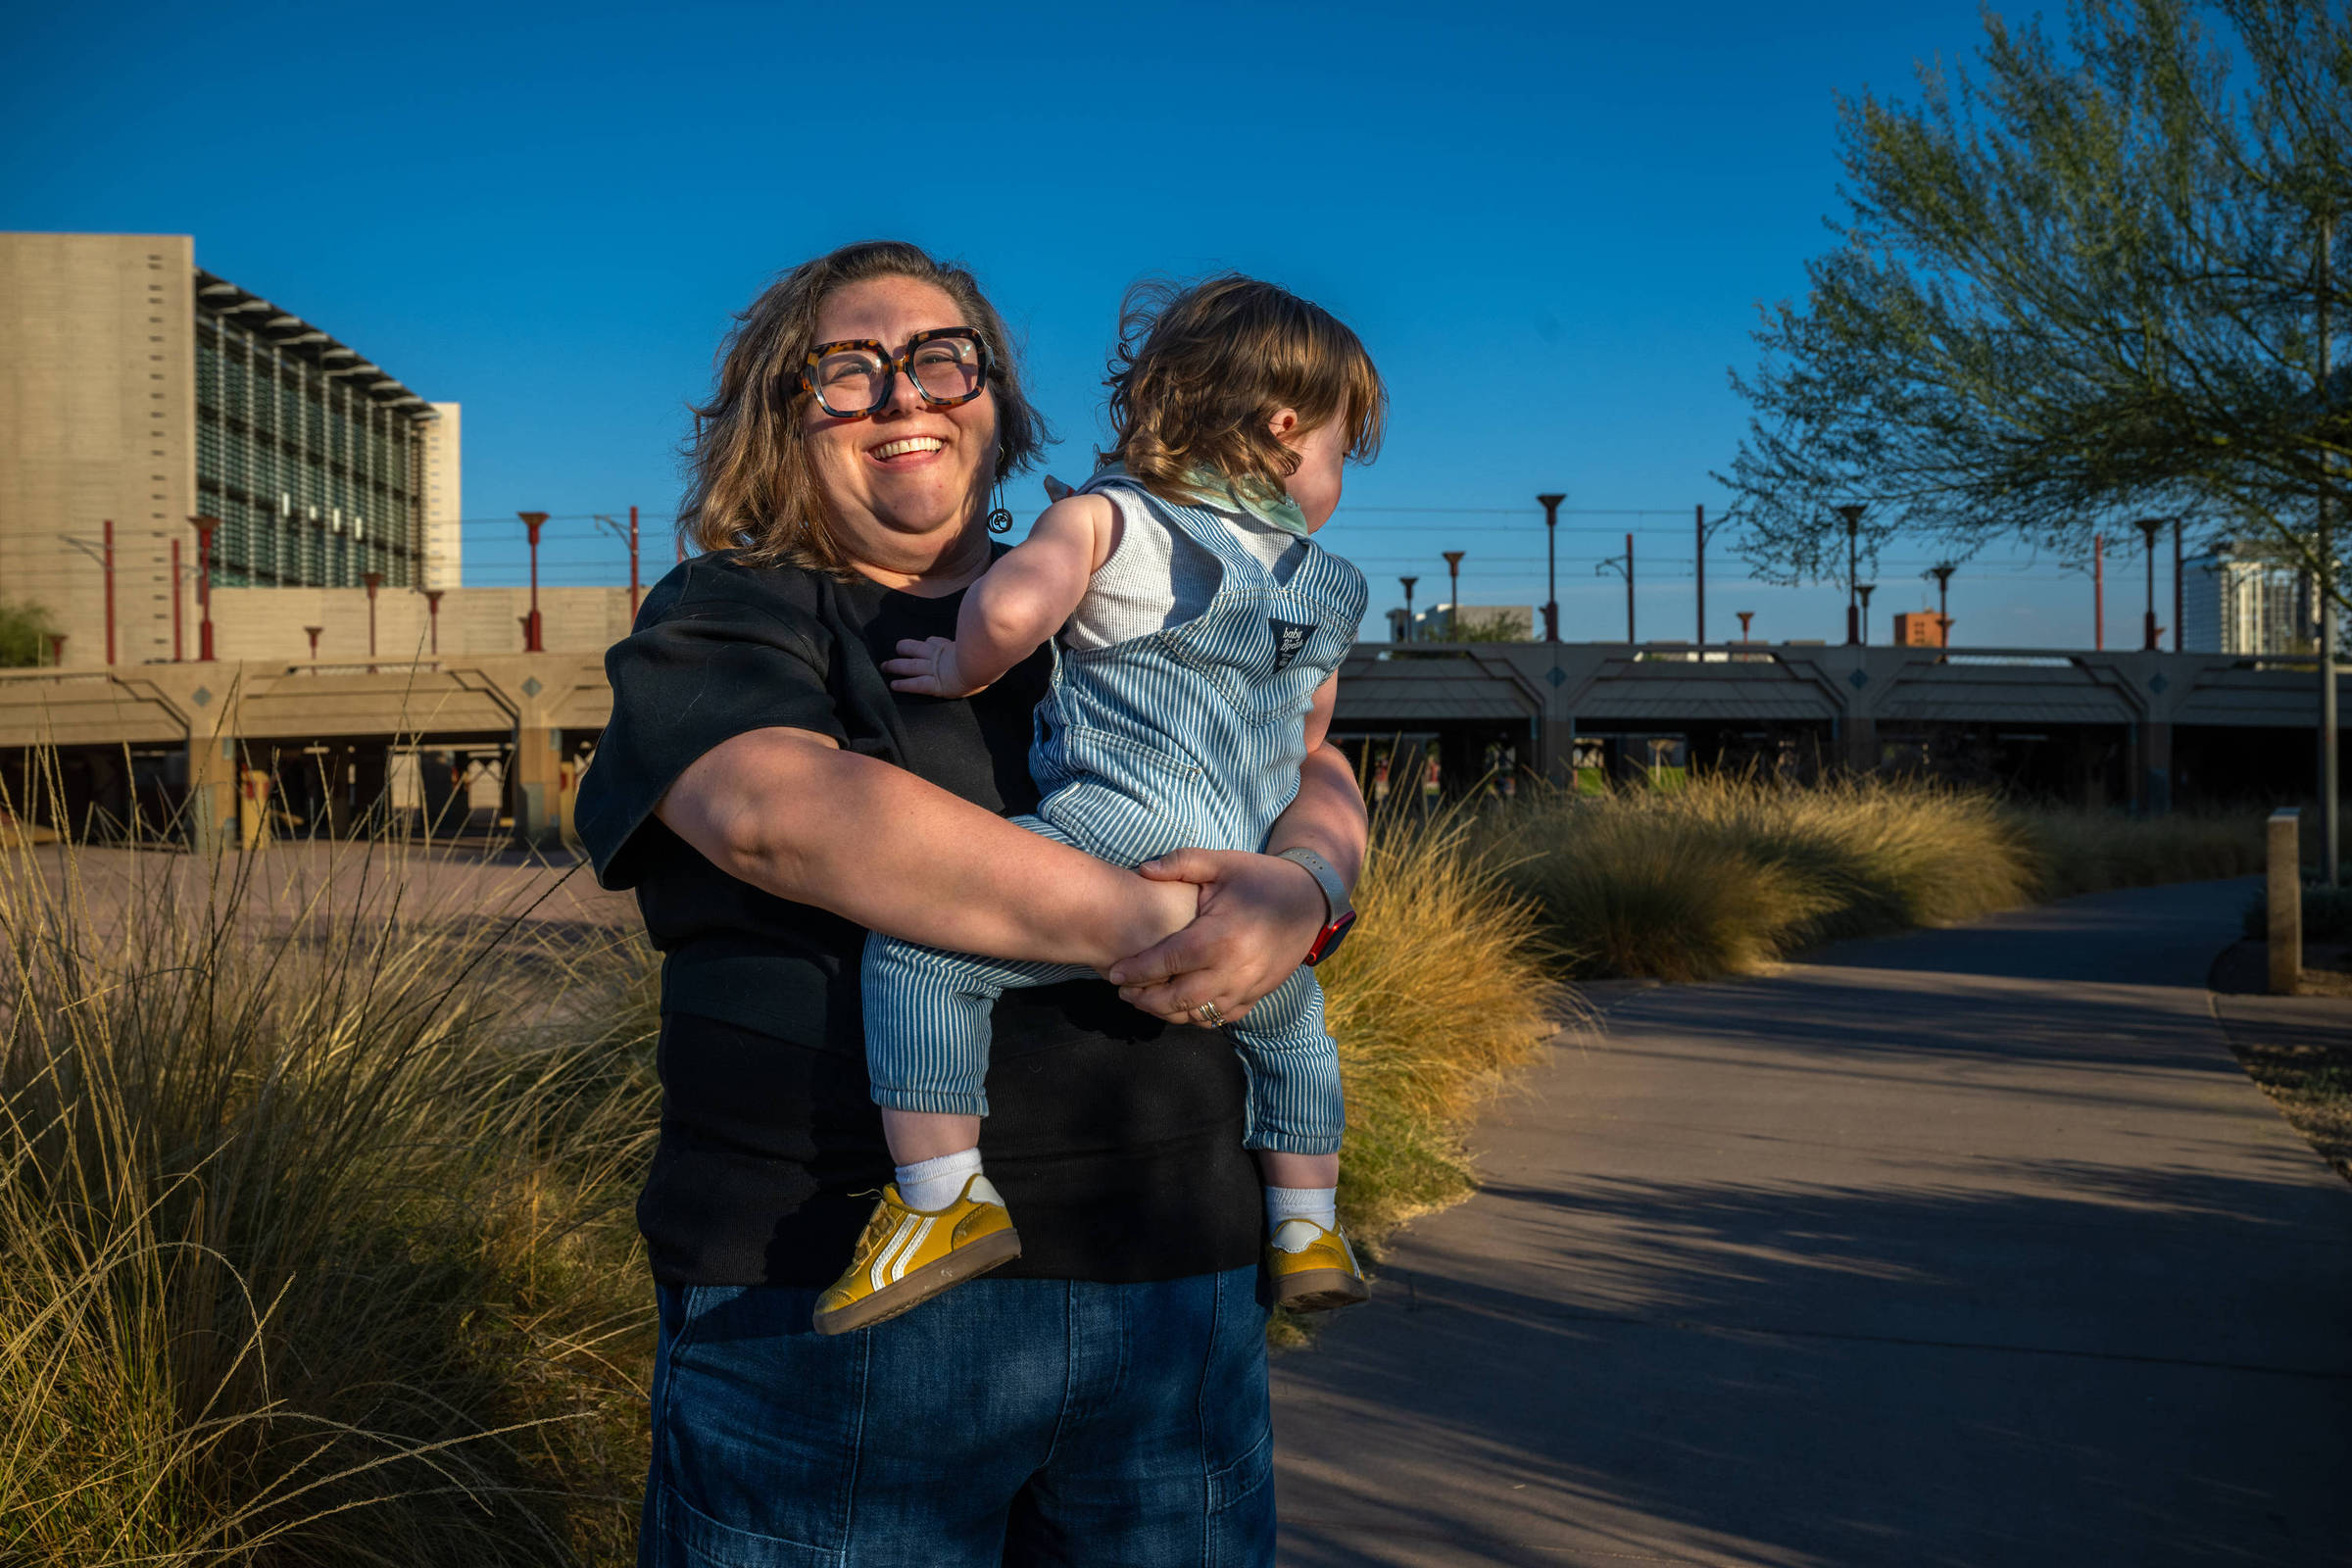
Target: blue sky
column 1552, row 225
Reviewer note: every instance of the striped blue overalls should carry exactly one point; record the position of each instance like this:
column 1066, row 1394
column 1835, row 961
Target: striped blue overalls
column 1190, row 736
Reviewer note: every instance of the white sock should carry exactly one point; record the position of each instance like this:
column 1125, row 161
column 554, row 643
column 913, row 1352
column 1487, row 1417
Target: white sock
column 930, row 1183
column 1318, row 1203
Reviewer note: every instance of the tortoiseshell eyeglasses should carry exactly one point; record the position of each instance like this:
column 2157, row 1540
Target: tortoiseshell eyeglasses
column 856, row 376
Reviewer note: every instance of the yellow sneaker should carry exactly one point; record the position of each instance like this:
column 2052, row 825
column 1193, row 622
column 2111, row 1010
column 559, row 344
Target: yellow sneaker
column 1314, row 1269
column 908, row 1255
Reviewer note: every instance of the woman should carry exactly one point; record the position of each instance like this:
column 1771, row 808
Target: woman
column 1103, row 1398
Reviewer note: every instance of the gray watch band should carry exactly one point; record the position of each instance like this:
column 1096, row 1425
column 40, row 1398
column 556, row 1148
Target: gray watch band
column 1335, row 891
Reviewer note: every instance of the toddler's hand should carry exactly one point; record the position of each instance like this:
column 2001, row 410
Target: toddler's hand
column 927, row 666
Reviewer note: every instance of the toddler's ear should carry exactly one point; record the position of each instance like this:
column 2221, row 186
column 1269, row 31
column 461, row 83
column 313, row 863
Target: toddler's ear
column 1055, row 489
column 1284, row 424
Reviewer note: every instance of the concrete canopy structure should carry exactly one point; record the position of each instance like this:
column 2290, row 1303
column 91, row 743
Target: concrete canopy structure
column 139, row 391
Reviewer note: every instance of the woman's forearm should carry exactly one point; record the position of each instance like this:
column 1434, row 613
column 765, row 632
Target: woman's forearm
column 1328, row 816
column 793, row 814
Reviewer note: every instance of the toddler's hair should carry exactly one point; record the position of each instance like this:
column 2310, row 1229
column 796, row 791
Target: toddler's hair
column 1217, row 361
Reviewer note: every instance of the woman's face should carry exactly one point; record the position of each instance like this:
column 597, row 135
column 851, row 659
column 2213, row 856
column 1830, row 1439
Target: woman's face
column 908, row 484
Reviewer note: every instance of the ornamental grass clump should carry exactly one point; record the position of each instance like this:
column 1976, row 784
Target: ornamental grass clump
column 1439, row 995
column 1725, row 875
column 2079, row 851
column 314, row 1246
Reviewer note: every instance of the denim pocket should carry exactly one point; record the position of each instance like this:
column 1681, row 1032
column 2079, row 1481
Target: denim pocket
column 1241, row 1479
column 756, row 1448
column 692, row 1539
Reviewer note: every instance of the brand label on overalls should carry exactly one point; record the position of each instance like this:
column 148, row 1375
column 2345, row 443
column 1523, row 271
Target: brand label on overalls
column 1289, row 638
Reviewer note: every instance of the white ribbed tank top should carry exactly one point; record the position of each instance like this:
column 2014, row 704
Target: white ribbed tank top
column 1146, row 584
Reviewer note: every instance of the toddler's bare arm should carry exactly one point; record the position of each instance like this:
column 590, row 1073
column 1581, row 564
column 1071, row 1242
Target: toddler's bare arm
column 1018, row 603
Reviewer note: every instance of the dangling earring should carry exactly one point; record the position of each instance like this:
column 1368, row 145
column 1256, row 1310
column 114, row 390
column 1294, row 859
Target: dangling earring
column 999, row 520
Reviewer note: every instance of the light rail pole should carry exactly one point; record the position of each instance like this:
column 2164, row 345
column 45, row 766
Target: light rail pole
column 1551, row 584
column 1852, row 512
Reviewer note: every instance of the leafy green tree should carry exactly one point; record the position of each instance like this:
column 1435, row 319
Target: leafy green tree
column 26, row 627
column 2082, row 287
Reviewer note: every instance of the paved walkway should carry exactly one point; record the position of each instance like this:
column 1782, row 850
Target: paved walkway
column 1970, row 1247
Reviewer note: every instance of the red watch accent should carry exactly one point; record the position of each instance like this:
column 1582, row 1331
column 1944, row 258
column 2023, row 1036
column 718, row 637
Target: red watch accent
column 1328, row 939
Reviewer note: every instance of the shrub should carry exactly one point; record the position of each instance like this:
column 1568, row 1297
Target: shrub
column 1725, row 875
column 2080, row 851
column 314, row 1237
column 1437, row 996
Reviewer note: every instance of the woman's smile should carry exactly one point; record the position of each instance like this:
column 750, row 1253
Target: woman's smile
column 907, row 451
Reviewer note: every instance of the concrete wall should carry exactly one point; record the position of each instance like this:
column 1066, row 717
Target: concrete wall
column 266, row 623
column 98, row 421
column 444, row 500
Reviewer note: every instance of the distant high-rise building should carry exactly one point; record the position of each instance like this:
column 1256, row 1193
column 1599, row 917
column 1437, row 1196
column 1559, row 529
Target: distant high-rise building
column 1919, row 628
column 2234, row 601
column 138, row 388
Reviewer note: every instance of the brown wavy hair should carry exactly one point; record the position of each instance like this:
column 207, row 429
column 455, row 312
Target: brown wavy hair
column 750, row 485
column 1217, row 361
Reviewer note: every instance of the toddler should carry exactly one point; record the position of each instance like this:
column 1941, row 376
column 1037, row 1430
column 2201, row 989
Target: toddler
column 1201, row 629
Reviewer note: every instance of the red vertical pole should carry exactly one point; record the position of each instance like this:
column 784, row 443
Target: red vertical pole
column 204, row 586
column 2099, row 590
column 176, row 651
column 1628, row 587
column 432, row 610
column 109, row 590
column 632, row 564
column 533, row 522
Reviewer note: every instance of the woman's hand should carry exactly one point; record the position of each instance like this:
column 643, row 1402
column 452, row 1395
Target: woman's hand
column 1260, row 915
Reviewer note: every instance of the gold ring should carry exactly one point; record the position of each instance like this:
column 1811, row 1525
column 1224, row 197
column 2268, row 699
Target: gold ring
column 1209, row 1014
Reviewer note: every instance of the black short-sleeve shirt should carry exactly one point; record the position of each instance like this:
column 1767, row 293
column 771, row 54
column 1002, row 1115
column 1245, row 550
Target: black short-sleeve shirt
column 1116, row 1140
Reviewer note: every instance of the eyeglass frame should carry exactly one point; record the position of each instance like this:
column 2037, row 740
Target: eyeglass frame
column 893, row 364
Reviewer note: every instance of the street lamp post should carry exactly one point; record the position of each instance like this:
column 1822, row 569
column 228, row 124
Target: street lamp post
column 432, row 616
column 1411, row 632
column 1552, row 585
column 533, row 522
column 1942, row 571
column 2099, row 590
column 1852, row 512
column 1453, row 594
column 374, row 580
column 1866, row 588
column 1745, row 615
column 2149, row 528
column 313, row 632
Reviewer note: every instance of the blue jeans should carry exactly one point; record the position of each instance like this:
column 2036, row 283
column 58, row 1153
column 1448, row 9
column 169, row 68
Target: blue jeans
column 1008, row 1421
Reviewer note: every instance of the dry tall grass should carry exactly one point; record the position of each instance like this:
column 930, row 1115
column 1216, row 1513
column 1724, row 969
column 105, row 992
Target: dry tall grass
column 1723, row 875
column 2078, row 852
column 314, row 1238
column 1437, row 996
